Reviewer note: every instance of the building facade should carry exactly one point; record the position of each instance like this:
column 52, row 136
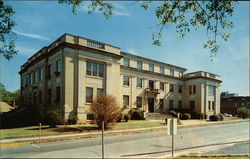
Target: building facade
column 68, row 74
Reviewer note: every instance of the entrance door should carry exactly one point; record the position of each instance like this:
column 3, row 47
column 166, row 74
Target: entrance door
column 151, row 104
column 192, row 105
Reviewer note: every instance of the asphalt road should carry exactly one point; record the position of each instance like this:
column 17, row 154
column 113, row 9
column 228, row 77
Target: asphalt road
column 154, row 144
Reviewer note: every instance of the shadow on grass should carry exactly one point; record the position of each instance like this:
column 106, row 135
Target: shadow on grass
column 187, row 148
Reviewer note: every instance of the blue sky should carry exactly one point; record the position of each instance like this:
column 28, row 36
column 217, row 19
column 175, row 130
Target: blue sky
column 131, row 28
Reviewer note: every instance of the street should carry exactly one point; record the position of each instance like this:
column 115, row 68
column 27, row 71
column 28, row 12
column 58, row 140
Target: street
column 153, row 144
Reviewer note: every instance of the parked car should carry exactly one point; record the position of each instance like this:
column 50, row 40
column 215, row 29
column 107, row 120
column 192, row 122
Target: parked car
column 228, row 115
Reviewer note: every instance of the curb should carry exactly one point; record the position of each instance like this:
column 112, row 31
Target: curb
column 107, row 133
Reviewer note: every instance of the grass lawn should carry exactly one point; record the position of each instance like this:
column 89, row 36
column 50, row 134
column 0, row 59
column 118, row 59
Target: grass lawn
column 68, row 129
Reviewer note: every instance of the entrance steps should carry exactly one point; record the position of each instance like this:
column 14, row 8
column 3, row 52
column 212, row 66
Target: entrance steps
column 157, row 116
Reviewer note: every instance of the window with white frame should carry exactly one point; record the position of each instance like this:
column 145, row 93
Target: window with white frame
column 126, row 61
column 139, row 83
column 161, row 69
column 151, row 67
column 171, row 72
column 139, row 64
column 95, row 69
column 126, row 80
column 211, row 90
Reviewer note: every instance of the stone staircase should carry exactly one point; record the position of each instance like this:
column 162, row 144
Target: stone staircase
column 156, row 116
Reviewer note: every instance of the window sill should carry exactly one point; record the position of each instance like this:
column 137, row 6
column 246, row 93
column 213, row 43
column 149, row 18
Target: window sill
column 96, row 77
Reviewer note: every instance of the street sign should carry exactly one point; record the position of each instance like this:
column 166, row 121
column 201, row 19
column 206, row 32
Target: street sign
column 172, row 126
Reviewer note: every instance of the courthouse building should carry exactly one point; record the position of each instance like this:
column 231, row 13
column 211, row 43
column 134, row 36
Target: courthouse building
column 69, row 73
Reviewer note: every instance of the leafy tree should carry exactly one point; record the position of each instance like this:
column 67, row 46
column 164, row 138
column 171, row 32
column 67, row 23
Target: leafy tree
column 7, row 37
column 214, row 15
column 243, row 112
column 5, row 96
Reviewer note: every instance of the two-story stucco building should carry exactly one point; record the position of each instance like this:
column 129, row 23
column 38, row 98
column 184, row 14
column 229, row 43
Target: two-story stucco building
column 68, row 74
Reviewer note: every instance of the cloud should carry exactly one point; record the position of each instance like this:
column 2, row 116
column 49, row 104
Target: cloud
column 26, row 51
column 30, row 35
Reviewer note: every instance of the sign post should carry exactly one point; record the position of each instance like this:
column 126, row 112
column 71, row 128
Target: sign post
column 102, row 139
column 172, row 130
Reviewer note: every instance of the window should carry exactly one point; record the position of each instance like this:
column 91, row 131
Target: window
column 171, row 72
column 161, row 86
column 40, row 77
column 194, row 89
column 139, row 102
column 151, row 67
column 171, row 104
column 179, row 104
column 89, row 94
column 125, row 80
column 139, row 83
column 49, row 70
column 58, row 94
column 125, row 100
column 100, row 91
column 161, row 104
column 151, row 84
column 190, row 89
column 139, row 64
column 161, row 69
column 213, row 108
column 49, row 96
column 126, row 61
column 58, row 66
column 192, row 105
column 211, row 90
column 36, row 76
column 40, row 97
column 180, row 89
column 171, row 88
column 30, row 77
column 209, row 105
column 95, row 69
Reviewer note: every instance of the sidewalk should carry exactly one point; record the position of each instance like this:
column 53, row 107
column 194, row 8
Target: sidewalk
column 53, row 138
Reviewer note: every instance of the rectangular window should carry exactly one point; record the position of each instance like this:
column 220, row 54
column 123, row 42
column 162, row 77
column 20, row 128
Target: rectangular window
column 58, row 94
column 125, row 100
column 125, row 80
column 162, row 86
column 151, row 84
column 139, row 64
column 139, row 83
column 50, row 70
column 190, row 89
column 161, row 69
column 40, row 74
column 179, row 104
column 213, row 108
column 209, row 105
column 30, row 79
column 171, row 88
column 58, row 66
column 180, row 89
column 171, row 72
column 151, row 67
column 100, row 91
column 40, row 97
column 89, row 94
column 211, row 90
column 95, row 69
column 36, row 76
column 49, row 96
column 126, row 61
column 194, row 89
column 171, row 104
column 139, row 102
column 161, row 104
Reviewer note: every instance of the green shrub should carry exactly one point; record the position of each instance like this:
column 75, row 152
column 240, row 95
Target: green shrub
column 173, row 113
column 72, row 121
column 243, row 112
column 137, row 114
column 186, row 116
column 52, row 119
column 127, row 117
column 221, row 117
column 215, row 117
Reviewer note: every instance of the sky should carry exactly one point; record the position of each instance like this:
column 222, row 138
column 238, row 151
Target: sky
column 130, row 28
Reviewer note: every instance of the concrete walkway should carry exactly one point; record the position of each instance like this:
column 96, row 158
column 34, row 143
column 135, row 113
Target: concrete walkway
column 53, row 138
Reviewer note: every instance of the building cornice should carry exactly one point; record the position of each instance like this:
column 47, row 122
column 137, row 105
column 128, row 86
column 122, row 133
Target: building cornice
column 202, row 77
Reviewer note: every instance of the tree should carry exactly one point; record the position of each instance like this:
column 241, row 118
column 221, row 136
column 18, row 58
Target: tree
column 5, row 96
column 7, row 37
column 105, row 108
column 243, row 112
column 214, row 15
